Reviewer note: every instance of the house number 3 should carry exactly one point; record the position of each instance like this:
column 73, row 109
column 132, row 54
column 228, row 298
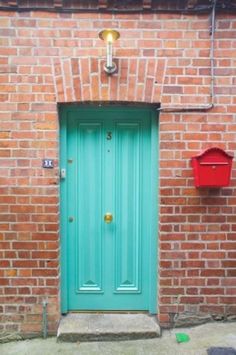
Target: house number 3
column 109, row 136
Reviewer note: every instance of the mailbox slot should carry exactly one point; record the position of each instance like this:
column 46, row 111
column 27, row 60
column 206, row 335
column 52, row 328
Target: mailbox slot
column 212, row 168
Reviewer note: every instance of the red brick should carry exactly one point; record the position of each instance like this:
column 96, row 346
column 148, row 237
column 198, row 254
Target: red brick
column 191, row 300
column 227, row 300
column 229, row 263
column 193, row 282
column 193, row 264
column 213, row 273
column 212, row 291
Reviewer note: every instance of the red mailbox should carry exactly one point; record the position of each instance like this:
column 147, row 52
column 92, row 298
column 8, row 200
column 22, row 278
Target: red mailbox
column 212, row 168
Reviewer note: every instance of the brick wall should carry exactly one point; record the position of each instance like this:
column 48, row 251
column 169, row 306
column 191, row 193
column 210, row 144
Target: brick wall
column 46, row 58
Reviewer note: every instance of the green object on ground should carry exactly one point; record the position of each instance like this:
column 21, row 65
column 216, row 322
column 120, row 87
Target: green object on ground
column 182, row 337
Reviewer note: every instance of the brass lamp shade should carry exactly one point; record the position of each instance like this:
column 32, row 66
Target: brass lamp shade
column 109, row 35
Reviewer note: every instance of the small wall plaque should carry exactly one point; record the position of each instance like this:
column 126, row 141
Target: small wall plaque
column 48, row 163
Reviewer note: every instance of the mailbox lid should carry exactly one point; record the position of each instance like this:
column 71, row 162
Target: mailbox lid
column 212, row 168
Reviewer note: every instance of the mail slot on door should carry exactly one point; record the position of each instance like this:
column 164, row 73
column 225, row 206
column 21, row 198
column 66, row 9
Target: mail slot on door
column 212, row 168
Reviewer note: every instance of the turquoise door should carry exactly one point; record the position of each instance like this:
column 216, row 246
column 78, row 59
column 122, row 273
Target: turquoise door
column 107, row 209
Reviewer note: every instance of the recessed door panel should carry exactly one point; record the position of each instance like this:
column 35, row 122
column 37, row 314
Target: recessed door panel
column 88, row 248
column 128, row 191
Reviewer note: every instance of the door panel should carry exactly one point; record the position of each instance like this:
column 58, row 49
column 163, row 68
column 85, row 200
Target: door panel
column 88, row 268
column 128, row 189
column 108, row 154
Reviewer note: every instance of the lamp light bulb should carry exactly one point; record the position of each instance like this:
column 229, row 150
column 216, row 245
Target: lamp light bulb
column 109, row 37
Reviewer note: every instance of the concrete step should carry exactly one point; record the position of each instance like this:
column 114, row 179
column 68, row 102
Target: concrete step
column 107, row 327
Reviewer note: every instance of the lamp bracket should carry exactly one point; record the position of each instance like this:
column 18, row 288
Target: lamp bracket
column 110, row 70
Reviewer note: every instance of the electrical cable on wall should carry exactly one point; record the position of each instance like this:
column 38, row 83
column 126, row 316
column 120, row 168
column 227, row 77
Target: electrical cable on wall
column 212, row 73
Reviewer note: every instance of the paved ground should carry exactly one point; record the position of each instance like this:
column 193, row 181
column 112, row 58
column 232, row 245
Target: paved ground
column 201, row 338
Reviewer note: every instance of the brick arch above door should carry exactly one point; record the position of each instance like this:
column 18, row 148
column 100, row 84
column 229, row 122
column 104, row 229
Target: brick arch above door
column 83, row 79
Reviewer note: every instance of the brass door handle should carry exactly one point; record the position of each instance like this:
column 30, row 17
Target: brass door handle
column 108, row 218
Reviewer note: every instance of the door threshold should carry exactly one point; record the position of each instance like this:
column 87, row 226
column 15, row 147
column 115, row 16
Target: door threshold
column 95, row 326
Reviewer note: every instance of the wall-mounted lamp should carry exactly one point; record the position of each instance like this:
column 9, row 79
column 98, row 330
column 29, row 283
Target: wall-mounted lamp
column 109, row 36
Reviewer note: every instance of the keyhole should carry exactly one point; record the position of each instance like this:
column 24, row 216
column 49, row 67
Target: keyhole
column 109, row 136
